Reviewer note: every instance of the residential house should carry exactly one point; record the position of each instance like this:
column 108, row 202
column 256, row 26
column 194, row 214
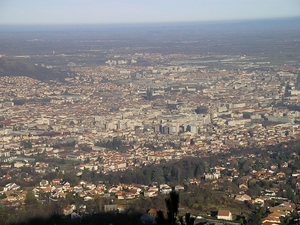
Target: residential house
column 11, row 186
column 179, row 188
column 114, row 189
column 224, row 214
column 242, row 198
column 273, row 218
column 165, row 189
column 6, row 177
column 150, row 194
column 56, row 181
column 68, row 210
column 283, row 209
column 44, row 183
column 152, row 212
column 121, row 208
column 260, row 200
column 88, row 198
column 212, row 176
column 243, row 187
column 110, row 208
column 281, row 175
column 194, row 181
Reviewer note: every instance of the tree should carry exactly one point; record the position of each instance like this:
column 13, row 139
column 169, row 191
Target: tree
column 157, row 175
column 3, row 196
column 256, row 216
column 26, row 144
column 187, row 219
column 160, row 218
column 199, row 170
column 254, row 190
column 3, row 213
column 30, row 198
column 289, row 193
column 285, row 221
column 60, row 175
column 99, row 202
column 172, row 204
column 86, row 175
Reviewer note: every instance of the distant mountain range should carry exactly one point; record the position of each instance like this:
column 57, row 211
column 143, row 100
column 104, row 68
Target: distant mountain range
column 18, row 67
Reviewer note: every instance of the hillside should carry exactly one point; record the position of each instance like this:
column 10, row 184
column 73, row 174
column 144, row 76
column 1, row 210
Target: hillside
column 18, row 67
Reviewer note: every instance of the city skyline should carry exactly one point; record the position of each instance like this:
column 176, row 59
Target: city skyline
column 133, row 11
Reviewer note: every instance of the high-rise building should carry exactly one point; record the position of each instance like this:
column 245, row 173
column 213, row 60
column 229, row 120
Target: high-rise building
column 297, row 85
column 149, row 93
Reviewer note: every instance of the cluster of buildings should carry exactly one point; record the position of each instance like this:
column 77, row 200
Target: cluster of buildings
column 176, row 108
column 153, row 106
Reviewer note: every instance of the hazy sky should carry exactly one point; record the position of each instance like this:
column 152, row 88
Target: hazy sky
column 141, row 11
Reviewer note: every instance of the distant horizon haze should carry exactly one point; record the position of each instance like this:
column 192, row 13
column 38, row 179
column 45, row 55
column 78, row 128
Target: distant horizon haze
column 265, row 24
column 68, row 12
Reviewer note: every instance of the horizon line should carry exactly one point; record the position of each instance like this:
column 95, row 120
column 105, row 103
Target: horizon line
column 155, row 22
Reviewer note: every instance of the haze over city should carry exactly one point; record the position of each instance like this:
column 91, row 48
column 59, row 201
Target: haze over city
column 145, row 11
